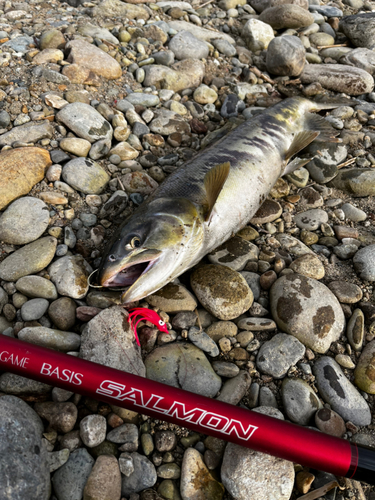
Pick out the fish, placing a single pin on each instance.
(210, 198)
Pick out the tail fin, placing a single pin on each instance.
(322, 102)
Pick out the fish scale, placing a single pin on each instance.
(212, 196)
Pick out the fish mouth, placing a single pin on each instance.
(126, 274)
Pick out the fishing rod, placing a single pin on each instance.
(199, 413)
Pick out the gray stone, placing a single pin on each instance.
(19, 43)
(185, 366)
(201, 340)
(257, 35)
(201, 33)
(184, 74)
(225, 369)
(69, 481)
(36, 287)
(93, 430)
(364, 263)
(144, 476)
(357, 182)
(299, 400)
(285, 56)
(234, 253)
(167, 122)
(85, 122)
(88, 29)
(235, 388)
(25, 220)
(311, 220)
(256, 324)
(143, 99)
(29, 132)
(85, 175)
(224, 47)
(185, 45)
(276, 356)
(307, 309)
(34, 309)
(70, 276)
(48, 337)
(267, 398)
(360, 58)
(173, 298)
(336, 390)
(253, 280)
(292, 245)
(11, 383)
(360, 29)
(24, 469)
(353, 213)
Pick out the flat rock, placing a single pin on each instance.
(31, 132)
(356, 329)
(364, 376)
(34, 309)
(97, 32)
(29, 259)
(307, 309)
(116, 8)
(338, 77)
(69, 481)
(256, 324)
(201, 33)
(173, 298)
(299, 400)
(184, 366)
(277, 355)
(24, 468)
(108, 340)
(48, 337)
(25, 220)
(235, 253)
(364, 263)
(70, 276)
(347, 293)
(20, 170)
(187, 73)
(11, 383)
(292, 245)
(357, 182)
(185, 45)
(139, 182)
(196, 481)
(85, 175)
(235, 388)
(286, 16)
(222, 291)
(360, 29)
(85, 122)
(261, 5)
(336, 390)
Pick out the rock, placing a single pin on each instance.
(23, 459)
(222, 291)
(25, 220)
(29, 259)
(360, 29)
(48, 337)
(125, 434)
(256, 324)
(185, 45)
(292, 245)
(364, 377)
(196, 482)
(142, 99)
(34, 309)
(235, 388)
(203, 341)
(330, 422)
(336, 390)
(285, 56)
(173, 299)
(31, 132)
(347, 293)
(232, 106)
(355, 329)
(108, 340)
(299, 400)
(364, 263)
(269, 211)
(221, 329)
(286, 16)
(85, 175)
(139, 182)
(49, 56)
(125, 151)
(23, 387)
(201, 33)
(60, 416)
(78, 147)
(69, 481)
(93, 430)
(143, 476)
(97, 32)
(52, 39)
(184, 366)
(276, 356)
(257, 35)
(353, 213)
(167, 122)
(70, 276)
(187, 73)
(63, 313)
(235, 253)
(20, 170)
(308, 310)
(85, 121)
(104, 480)
(311, 220)
(224, 47)
(116, 8)
(360, 58)
(205, 95)
(308, 265)
(340, 78)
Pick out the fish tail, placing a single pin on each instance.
(319, 103)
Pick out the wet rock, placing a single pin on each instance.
(108, 340)
(187, 73)
(48, 337)
(257, 35)
(144, 476)
(340, 78)
(20, 170)
(196, 480)
(70, 276)
(29, 259)
(184, 366)
(173, 299)
(185, 45)
(364, 263)
(299, 400)
(25, 220)
(222, 291)
(104, 480)
(276, 356)
(308, 310)
(23, 460)
(285, 56)
(286, 16)
(336, 390)
(234, 253)
(69, 481)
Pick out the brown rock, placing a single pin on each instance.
(52, 39)
(20, 170)
(104, 481)
(330, 422)
(139, 182)
(286, 16)
(116, 8)
(63, 313)
(269, 211)
(86, 55)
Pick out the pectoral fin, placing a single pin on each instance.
(214, 181)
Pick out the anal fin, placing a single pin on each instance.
(214, 182)
(295, 164)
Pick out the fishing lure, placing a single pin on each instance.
(145, 314)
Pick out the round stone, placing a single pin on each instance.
(312, 219)
(34, 309)
(25, 220)
(63, 313)
(185, 45)
(85, 175)
(347, 293)
(364, 263)
(196, 480)
(205, 95)
(93, 430)
(257, 35)
(276, 356)
(70, 276)
(76, 146)
(173, 299)
(234, 253)
(104, 480)
(308, 310)
(143, 476)
(287, 16)
(36, 287)
(299, 400)
(222, 291)
(364, 374)
(285, 56)
(330, 422)
(308, 265)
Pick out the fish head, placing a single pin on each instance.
(152, 248)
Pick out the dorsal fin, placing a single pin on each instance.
(214, 181)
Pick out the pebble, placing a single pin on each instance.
(104, 480)
(330, 422)
(185, 45)
(69, 480)
(353, 213)
(187, 73)
(269, 211)
(364, 263)
(70, 276)
(93, 430)
(235, 388)
(203, 341)
(48, 337)
(196, 480)
(307, 309)
(359, 29)
(336, 390)
(355, 329)
(277, 355)
(299, 400)
(347, 293)
(285, 56)
(85, 175)
(234, 253)
(308, 265)
(286, 16)
(60, 416)
(63, 313)
(34, 309)
(144, 476)
(36, 287)
(184, 366)
(224, 302)
(311, 220)
(173, 299)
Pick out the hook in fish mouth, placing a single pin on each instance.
(91, 285)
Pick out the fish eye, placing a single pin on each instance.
(161, 323)
(135, 242)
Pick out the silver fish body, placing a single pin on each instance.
(257, 151)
